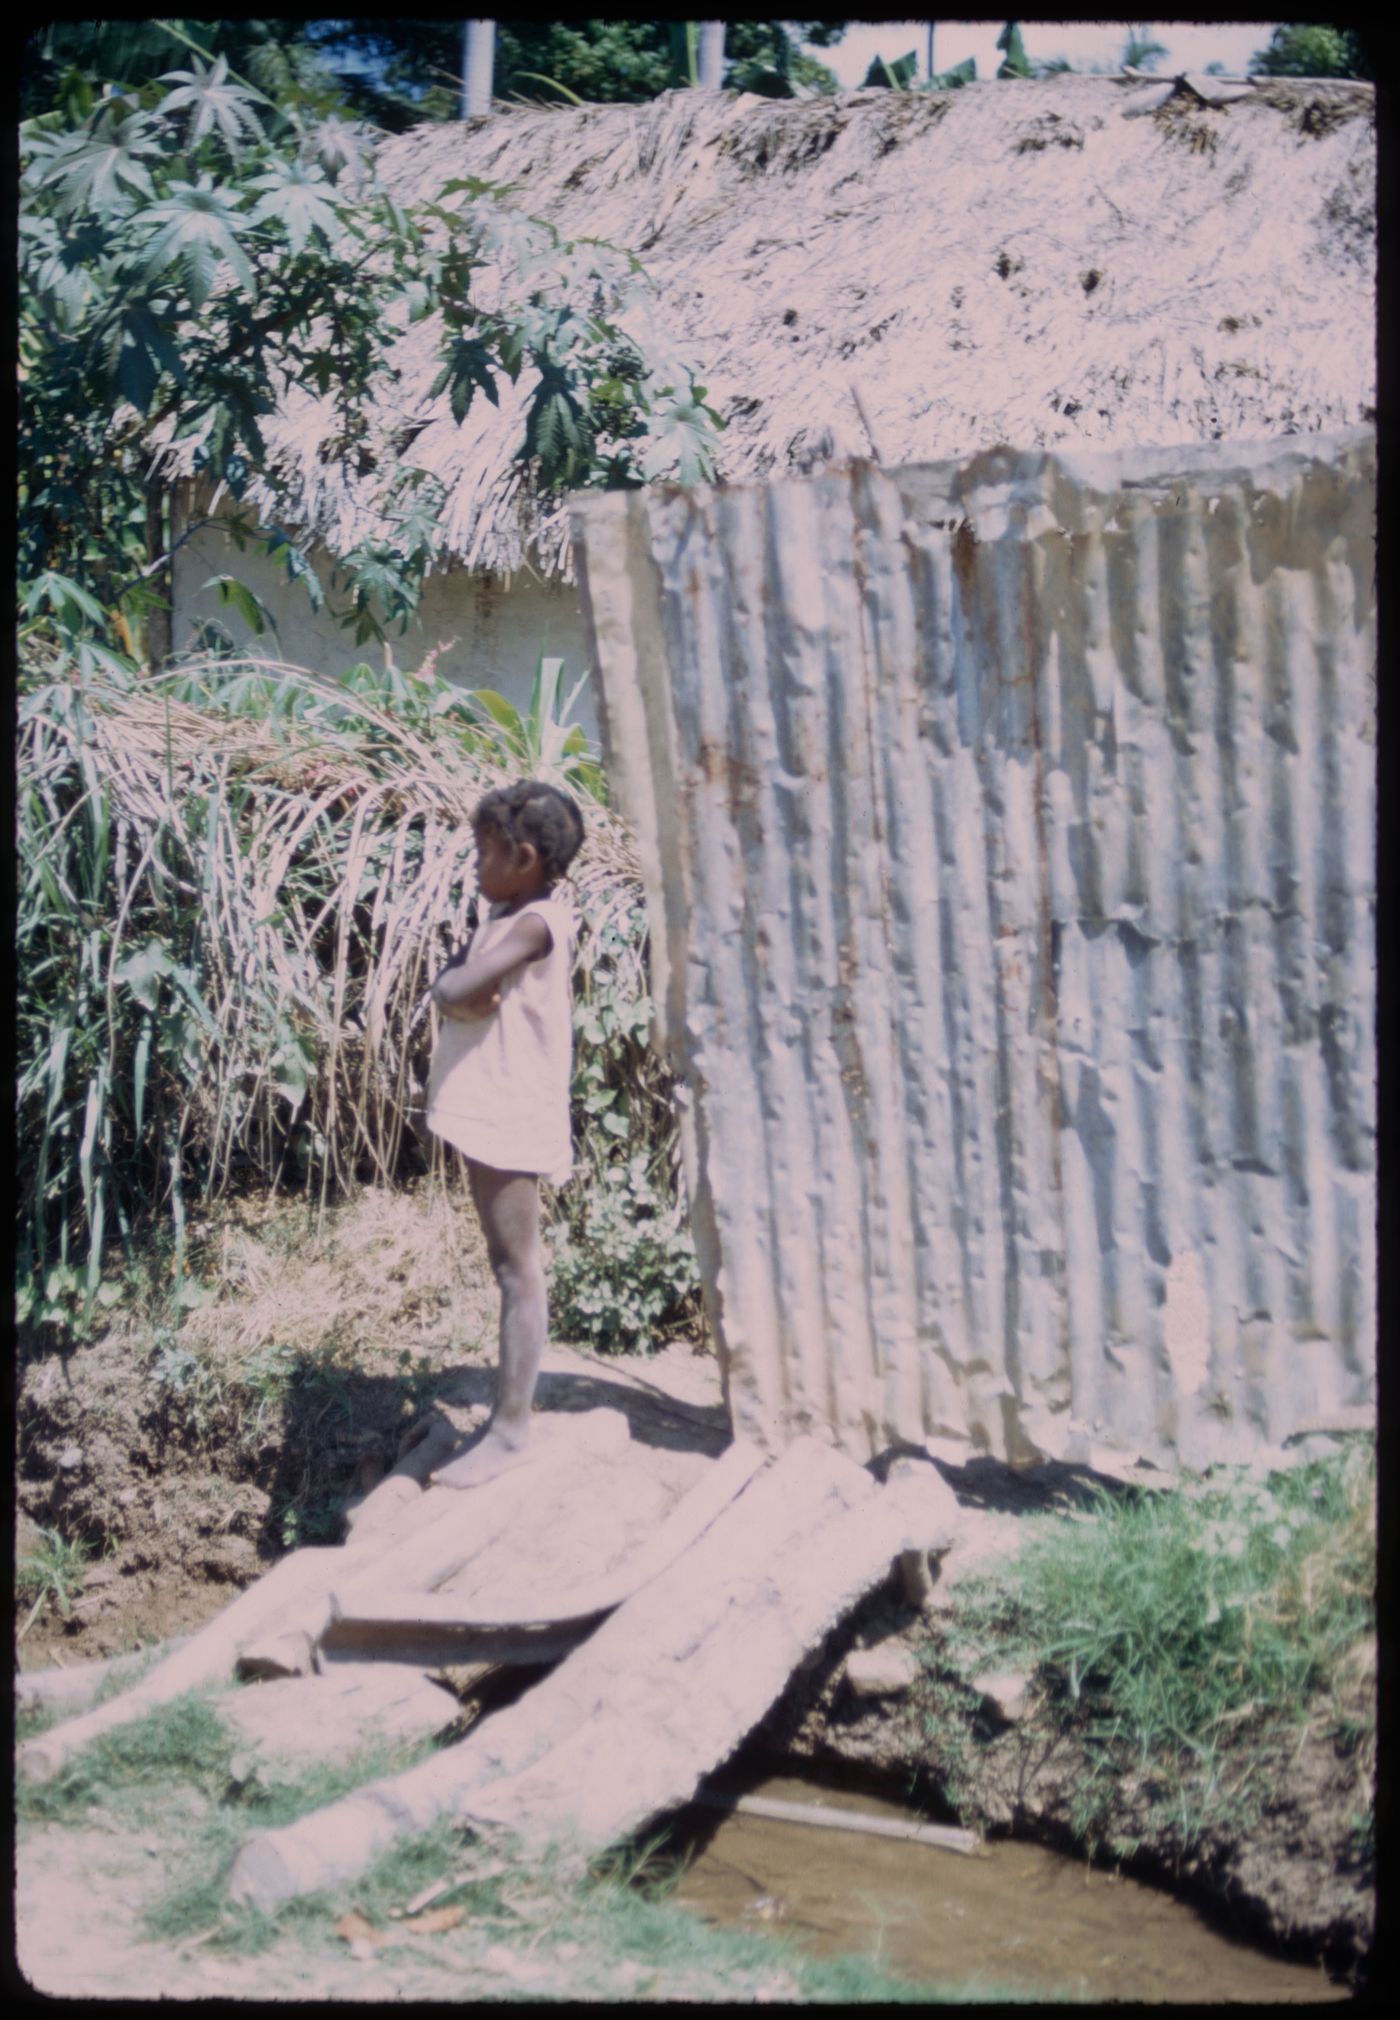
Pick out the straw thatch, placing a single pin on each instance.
(231, 905)
(1032, 263)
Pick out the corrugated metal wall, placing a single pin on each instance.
(1010, 830)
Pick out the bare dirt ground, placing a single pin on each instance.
(81, 1893)
(189, 1449)
(97, 1882)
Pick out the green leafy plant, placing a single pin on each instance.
(1314, 49)
(1015, 62)
(542, 741)
(1142, 51)
(1162, 1622)
(624, 1270)
(765, 57)
(903, 75)
(187, 244)
(234, 884)
(625, 1274)
(400, 72)
(50, 1571)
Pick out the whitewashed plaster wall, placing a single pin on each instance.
(500, 628)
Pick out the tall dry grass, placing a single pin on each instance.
(235, 885)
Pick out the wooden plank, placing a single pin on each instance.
(578, 1457)
(294, 1594)
(351, 1706)
(597, 1516)
(277, 1655)
(558, 1598)
(71, 1687)
(372, 1605)
(406, 1480)
(438, 1534)
(429, 1643)
(668, 1687)
(659, 1695)
(280, 1597)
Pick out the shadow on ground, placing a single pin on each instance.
(1053, 1486)
(340, 1428)
(653, 1417)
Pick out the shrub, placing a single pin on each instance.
(50, 1569)
(624, 1263)
(624, 1272)
(235, 883)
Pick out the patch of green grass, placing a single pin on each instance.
(263, 1383)
(620, 1933)
(279, 1793)
(32, 1719)
(134, 1768)
(1166, 1624)
(197, 1392)
(50, 1572)
(945, 1710)
(310, 1519)
(121, 1680)
(417, 1379)
(276, 1794)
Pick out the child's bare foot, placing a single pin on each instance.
(498, 1449)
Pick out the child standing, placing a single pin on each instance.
(498, 1084)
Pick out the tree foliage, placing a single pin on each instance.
(1015, 62)
(766, 57)
(273, 56)
(399, 71)
(1315, 49)
(1142, 51)
(903, 75)
(191, 251)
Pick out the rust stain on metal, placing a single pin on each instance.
(964, 550)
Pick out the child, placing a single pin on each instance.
(498, 1084)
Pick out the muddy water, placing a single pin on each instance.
(1017, 1919)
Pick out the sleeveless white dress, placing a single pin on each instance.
(498, 1086)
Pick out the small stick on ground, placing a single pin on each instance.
(942, 1837)
(469, 1876)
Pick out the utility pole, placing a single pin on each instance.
(711, 56)
(478, 64)
(928, 73)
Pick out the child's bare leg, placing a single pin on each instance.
(508, 1203)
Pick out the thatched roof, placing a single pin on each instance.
(1029, 263)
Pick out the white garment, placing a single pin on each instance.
(498, 1086)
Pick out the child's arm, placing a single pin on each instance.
(472, 987)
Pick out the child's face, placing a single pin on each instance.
(504, 870)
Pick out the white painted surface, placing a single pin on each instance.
(500, 628)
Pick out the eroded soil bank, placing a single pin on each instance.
(186, 1463)
(1298, 1877)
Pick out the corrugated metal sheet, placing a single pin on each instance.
(1010, 835)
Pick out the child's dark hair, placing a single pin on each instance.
(541, 814)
